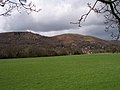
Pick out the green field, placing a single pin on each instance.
(80, 72)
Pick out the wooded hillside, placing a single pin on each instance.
(27, 44)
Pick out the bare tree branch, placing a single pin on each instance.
(18, 6)
(111, 9)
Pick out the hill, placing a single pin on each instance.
(27, 44)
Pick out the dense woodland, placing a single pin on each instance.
(27, 44)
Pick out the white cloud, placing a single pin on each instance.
(55, 18)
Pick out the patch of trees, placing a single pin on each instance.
(21, 51)
(26, 44)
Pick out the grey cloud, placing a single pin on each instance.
(20, 22)
(51, 21)
(56, 16)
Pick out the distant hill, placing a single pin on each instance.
(27, 44)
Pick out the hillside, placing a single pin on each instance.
(27, 44)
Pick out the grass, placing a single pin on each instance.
(82, 72)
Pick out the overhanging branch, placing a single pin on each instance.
(17, 5)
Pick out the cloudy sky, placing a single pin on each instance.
(55, 18)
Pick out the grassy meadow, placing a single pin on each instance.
(79, 72)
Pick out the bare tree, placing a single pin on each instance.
(10, 5)
(111, 11)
